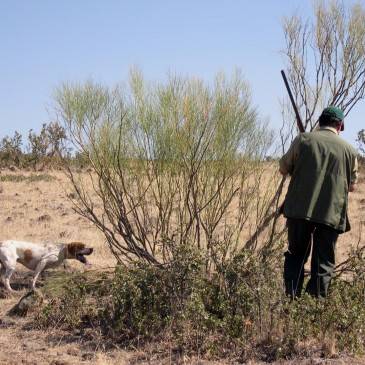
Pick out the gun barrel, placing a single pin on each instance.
(299, 120)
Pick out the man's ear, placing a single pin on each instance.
(338, 126)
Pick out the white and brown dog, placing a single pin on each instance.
(37, 257)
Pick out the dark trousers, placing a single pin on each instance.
(300, 234)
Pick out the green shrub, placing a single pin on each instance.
(239, 312)
(147, 298)
(74, 300)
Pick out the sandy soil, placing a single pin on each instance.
(40, 212)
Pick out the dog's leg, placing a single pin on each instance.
(8, 273)
(2, 272)
(7, 270)
(40, 267)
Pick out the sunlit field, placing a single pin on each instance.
(36, 206)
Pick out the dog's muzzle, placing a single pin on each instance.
(80, 255)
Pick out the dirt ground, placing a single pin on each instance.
(41, 212)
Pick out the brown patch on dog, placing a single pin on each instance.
(73, 248)
(28, 255)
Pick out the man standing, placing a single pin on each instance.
(323, 169)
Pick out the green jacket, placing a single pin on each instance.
(322, 167)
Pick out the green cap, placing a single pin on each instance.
(334, 112)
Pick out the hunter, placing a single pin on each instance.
(323, 169)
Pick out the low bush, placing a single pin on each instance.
(239, 312)
(73, 300)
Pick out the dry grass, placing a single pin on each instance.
(37, 209)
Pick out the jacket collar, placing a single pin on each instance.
(326, 128)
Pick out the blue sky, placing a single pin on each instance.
(45, 42)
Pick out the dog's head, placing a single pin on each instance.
(77, 251)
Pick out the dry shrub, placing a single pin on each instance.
(43, 150)
(169, 161)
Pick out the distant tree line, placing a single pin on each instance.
(41, 150)
(49, 146)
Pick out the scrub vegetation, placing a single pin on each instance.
(238, 314)
(167, 161)
(173, 181)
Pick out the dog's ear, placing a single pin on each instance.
(28, 255)
(73, 248)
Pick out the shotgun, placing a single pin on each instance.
(280, 211)
(297, 116)
(299, 120)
